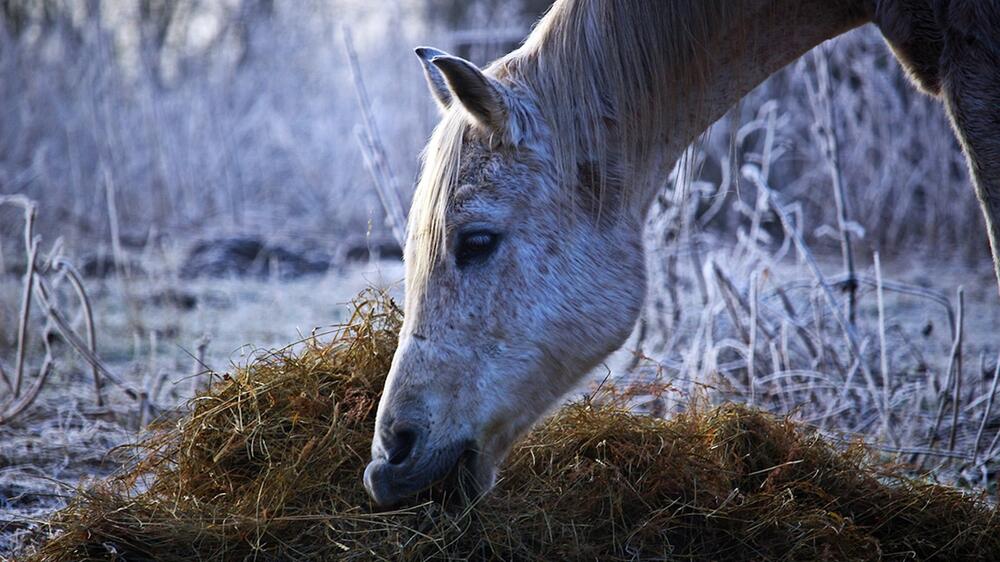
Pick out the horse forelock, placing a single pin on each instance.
(442, 159)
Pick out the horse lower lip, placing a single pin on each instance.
(464, 476)
(378, 483)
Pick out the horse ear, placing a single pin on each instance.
(479, 94)
(435, 79)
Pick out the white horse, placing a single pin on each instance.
(524, 258)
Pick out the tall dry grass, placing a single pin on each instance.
(245, 121)
(769, 283)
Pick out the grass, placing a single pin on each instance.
(268, 465)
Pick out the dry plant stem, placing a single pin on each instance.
(752, 343)
(74, 278)
(752, 173)
(677, 309)
(6, 379)
(884, 353)
(22, 328)
(843, 393)
(699, 271)
(640, 342)
(823, 108)
(16, 407)
(953, 357)
(989, 409)
(802, 332)
(31, 249)
(74, 340)
(116, 244)
(901, 288)
(373, 149)
(992, 449)
(957, 398)
(766, 157)
(728, 291)
(199, 367)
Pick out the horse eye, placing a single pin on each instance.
(475, 246)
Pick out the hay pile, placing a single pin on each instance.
(268, 467)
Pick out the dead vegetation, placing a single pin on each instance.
(268, 466)
(46, 276)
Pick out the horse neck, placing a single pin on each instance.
(766, 36)
(721, 51)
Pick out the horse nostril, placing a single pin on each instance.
(401, 445)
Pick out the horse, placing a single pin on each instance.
(524, 256)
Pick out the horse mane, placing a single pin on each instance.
(621, 69)
(594, 70)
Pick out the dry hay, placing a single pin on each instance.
(268, 466)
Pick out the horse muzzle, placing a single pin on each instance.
(404, 464)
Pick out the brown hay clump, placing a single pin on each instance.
(268, 466)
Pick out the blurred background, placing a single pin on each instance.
(211, 178)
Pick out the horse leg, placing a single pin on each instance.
(970, 89)
(911, 29)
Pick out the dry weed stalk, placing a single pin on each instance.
(755, 343)
(41, 280)
(821, 100)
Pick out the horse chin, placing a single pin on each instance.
(471, 478)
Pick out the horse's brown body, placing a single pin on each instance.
(949, 48)
(515, 287)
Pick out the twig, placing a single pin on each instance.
(952, 358)
(895, 287)
(31, 249)
(884, 354)
(6, 379)
(802, 332)
(198, 367)
(729, 288)
(31, 244)
(699, 270)
(728, 296)
(640, 342)
(752, 343)
(846, 388)
(989, 409)
(17, 406)
(956, 401)
(823, 109)
(752, 173)
(117, 252)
